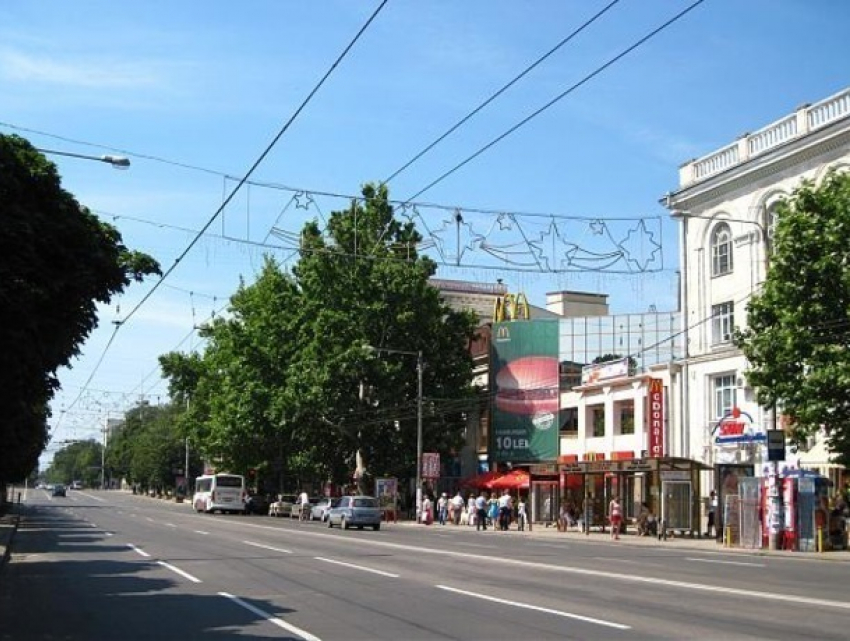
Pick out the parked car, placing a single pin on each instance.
(283, 505)
(77, 485)
(257, 503)
(58, 490)
(321, 508)
(356, 511)
(295, 512)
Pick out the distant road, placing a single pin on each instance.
(110, 565)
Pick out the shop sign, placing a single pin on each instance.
(431, 465)
(638, 465)
(775, 445)
(539, 470)
(656, 418)
(675, 475)
(738, 427)
(599, 372)
(571, 468)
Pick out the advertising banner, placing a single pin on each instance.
(525, 388)
(386, 491)
(655, 446)
(431, 465)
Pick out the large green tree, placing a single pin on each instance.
(799, 324)
(286, 384)
(57, 262)
(77, 461)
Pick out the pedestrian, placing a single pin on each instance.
(481, 512)
(522, 516)
(711, 529)
(426, 510)
(493, 510)
(442, 508)
(457, 507)
(615, 514)
(471, 510)
(505, 509)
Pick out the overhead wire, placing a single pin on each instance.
(558, 98)
(500, 91)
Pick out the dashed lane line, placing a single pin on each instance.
(357, 567)
(272, 619)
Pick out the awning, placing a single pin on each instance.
(480, 481)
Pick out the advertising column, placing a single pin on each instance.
(524, 380)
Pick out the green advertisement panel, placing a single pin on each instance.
(524, 381)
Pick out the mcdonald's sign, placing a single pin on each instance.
(655, 447)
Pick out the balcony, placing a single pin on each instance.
(805, 120)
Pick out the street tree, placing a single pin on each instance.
(58, 261)
(286, 383)
(76, 461)
(798, 329)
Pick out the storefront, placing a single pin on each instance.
(670, 488)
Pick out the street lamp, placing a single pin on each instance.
(420, 367)
(118, 162)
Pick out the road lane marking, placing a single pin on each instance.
(357, 567)
(474, 545)
(267, 547)
(182, 573)
(147, 518)
(108, 534)
(171, 525)
(602, 574)
(90, 496)
(536, 608)
(755, 565)
(272, 619)
(137, 550)
(201, 532)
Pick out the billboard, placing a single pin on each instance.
(655, 447)
(525, 391)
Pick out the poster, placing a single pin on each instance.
(525, 391)
(386, 490)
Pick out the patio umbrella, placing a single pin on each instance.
(482, 480)
(514, 480)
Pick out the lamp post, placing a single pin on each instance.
(118, 162)
(420, 368)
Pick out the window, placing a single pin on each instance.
(627, 418)
(771, 216)
(569, 422)
(598, 421)
(721, 250)
(724, 395)
(722, 322)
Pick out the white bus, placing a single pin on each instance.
(222, 492)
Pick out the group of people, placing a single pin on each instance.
(496, 511)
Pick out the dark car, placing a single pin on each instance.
(58, 490)
(257, 504)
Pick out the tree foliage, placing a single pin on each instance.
(285, 385)
(799, 324)
(78, 461)
(57, 262)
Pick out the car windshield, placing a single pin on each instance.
(365, 502)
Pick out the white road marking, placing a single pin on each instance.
(182, 573)
(474, 545)
(137, 550)
(147, 518)
(108, 533)
(755, 565)
(536, 608)
(93, 524)
(627, 578)
(357, 567)
(91, 496)
(268, 617)
(614, 560)
(171, 525)
(267, 547)
(201, 532)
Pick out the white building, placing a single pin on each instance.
(725, 204)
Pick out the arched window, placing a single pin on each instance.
(721, 250)
(771, 216)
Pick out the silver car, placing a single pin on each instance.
(319, 511)
(356, 511)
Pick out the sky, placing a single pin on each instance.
(194, 92)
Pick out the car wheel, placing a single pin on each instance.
(330, 524)
(344, 523)
(376, 527)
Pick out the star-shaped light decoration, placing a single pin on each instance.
(306, 196)
(640, 248)
(597, 227)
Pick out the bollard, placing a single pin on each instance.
(727, 539)
(820, 539)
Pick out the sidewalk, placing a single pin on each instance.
(8, 527)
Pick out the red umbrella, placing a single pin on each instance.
(514, 480)
(482, 480)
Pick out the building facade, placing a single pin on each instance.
(725, 205)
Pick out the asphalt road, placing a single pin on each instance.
(108, 565)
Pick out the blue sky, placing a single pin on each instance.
(209, 84)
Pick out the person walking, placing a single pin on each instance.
(522, 516)
(505, 508)
(457, 507)
(442, 508)
(615, 514)
(712, 515)
(481, 512)
(493, 510)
